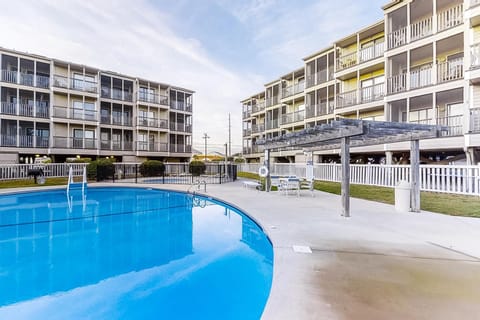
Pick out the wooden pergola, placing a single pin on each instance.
(346, 133)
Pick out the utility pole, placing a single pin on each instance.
(229, 138)
(226, 159)
(205, 136)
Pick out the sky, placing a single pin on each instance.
(224, 50)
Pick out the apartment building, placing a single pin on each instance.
(420, 64)
(63, 110)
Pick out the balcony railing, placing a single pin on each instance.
(421, 29)
(153, 98)
(346, 99)
(116, 145)
(293, 89)
(74, 143)
(421, 77)
(9, 76)
(450, 70)
(256, 128)
(450, 17)
(181, 105)
(26, 79)
(247, 132)
(152, 146)
(347, 61)
(454, 125)
(152, 122)
(271, 101)
(23, 141)
(247, 114)
(181, 127)
(74, 84)
(475, 55)
(8, 108)
(72, 113)
(371, 52)
(397, 83)
(42, 110)
(293, 117)
(259, 107)
(25, 109)
(397, 38)
(372, 93)
(323, 108)
(42, 82)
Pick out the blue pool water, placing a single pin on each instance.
(130, 253)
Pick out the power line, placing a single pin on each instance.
(205, 136)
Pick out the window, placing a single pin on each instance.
(83, 138)
(84, 111)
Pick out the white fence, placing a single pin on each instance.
(20, 171)
(435, 178)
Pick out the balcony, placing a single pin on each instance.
(26, 79)
(181, 127)
(9, 76)
(258, 128)
(323, 108)
(116, 145)
(317, 78)
(247, 114)
(259, 107)
(152, 122)
(23, 141)
(42, 82)
(74, 143)
(446, 19)
(25, 109)
(116, 94)
(271, 101)
(421, 29)
(257, 149)
(180, 148)
(152, 146)
(346, 99)
(181, 105)
(346, 61)
(293, 89)
(8, 108)
(76, 114)
(247, 132)
(450, 17)
(421, 77)
(292, 117)
(450, 70)
(372, 52)
(271, 124)
(153, 98)
(372, 93)
(475, 56)
(454, 125)
(397, 83)
(74, 84)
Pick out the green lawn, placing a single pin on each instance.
(455, 205)
(31, 183)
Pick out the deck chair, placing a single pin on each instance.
(291, 184)
(307, 185)
(275, 182)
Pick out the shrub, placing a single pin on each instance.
(152, 168)
(100, 169)
(197, 168)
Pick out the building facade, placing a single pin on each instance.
(57, 109)
(420, 64)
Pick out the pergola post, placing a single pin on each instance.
(267, 164)
(345, 154)
(415, 176)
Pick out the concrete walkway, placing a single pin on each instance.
(378, 264)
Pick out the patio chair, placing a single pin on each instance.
(306, 184)
(275, 182)
(291, 184)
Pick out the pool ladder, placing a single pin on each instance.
(198, 184)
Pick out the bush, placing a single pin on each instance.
(197, 168)
(100, 169)
(152, 168)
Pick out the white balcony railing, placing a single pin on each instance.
(372, 93)
(371, 52)
(346, 99)
(421, 77)
(475, 55)
(397, 83)
(293, 117)
(450, 70)
(421, 29)
(450, 17)
(397, 38)
(347, 61)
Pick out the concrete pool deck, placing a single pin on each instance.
(377, 264)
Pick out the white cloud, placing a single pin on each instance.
(136, 40)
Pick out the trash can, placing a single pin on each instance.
(402, 196)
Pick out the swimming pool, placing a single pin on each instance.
(130, 253)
